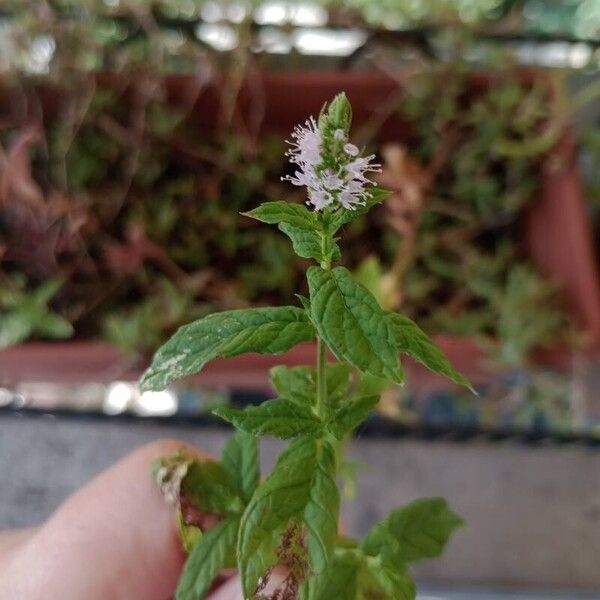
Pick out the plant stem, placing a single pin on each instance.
(321, 379)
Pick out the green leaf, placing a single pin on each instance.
(412, 340)
(226, 334)
(14, 328)
(302, 226)
(336, 115)
(337, 377)
(379, 579)
(240, 462)
(343, 215)
(189, 534)
(295, 383)
(339, 580)
(368, 385)
(322, 509)
(413, 532)
(281, 497)
(309, 243)
(214, 551)
(288, 494)
(54, 326)
(46, 291)
(350, 415)
(353, 576)
(208, 487)
(300, 383)
(279, 211)
(280, 417)
(304, 301)
(352, 324)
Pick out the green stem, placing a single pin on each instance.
(321, 379)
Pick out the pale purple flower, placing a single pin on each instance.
(351, 149)
(345, 184)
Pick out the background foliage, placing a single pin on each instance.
(133, 211)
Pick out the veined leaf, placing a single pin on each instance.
(300, 383)
(241, 463)
(280, 417)
(279, 211)
(208, 487)
(281, 497)
(350, 415)
(372, 386)
(295, 383)
(337, 376)
(352, 324)
(227, 334)
(338, 580)
(302, 227)
(343, 216)
(310, 243)
(412, 340)
(413, 532)
(352, 575)
(288, 494)
(379, 579)
(322, 509)
(214, 551)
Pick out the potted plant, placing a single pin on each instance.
(290, 520)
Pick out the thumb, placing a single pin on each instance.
(115, 538)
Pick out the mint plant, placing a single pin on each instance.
(282, 532)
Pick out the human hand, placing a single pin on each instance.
(114, 539)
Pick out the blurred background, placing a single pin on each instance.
(132, 135)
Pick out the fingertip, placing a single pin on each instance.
(116, 533)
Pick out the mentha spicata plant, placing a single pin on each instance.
(282, 532)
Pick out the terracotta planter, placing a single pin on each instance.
(557, 233)
(80, 362)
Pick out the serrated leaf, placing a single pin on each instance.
(350, 415)
(339, 580)
(304, 301)
(281, 497)
(412, 340)
(281, 418)
(208, 487)
(322, 509)
(227, 334)
(379, 579)
(240, 462)
(310, 243)
(302, 226)
(214, 551)
(352, 575)
(299, 383)
(279, 211)
(343, 215)
(337, 376)
(284, 495)
(295, 383)
(413, 532)
(353, 325)
(368, 385)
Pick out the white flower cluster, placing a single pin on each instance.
(345, 184)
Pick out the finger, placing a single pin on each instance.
(115, 538)
(12, 540)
